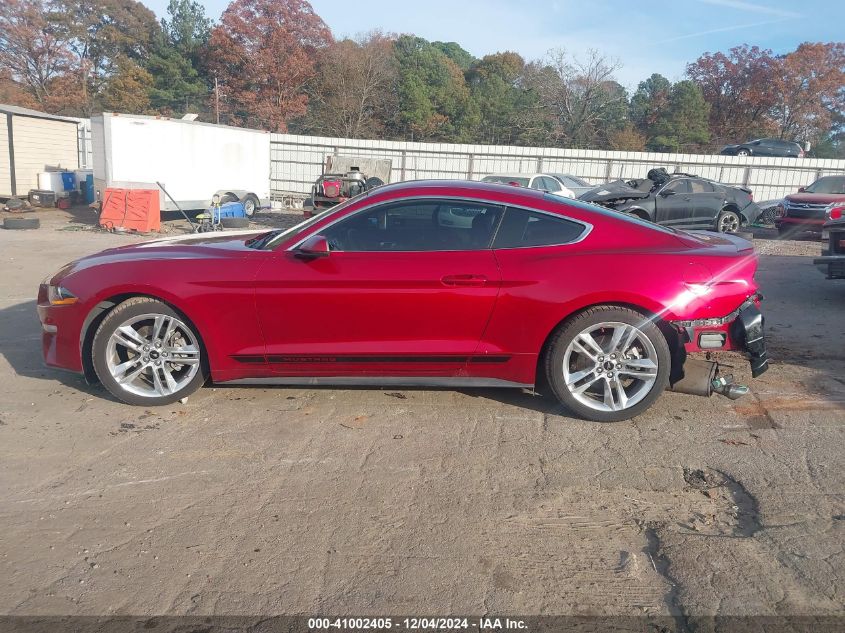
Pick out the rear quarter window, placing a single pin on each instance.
(521, 228)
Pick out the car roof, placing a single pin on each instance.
(531, 175)
(474, 186)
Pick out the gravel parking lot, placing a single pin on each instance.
(366, 501)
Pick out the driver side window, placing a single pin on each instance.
(417, 225)
(678, 186)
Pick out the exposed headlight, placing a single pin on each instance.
(59, 296)
(780, 210)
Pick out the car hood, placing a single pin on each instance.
(616, 190)
(226, 244)
(816, 198)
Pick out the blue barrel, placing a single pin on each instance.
(68, 180)
(88, 189)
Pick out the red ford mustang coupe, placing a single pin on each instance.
(436, 283)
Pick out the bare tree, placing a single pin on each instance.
(579, 94)
(31, 47)
(354, 92)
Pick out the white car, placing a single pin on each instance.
(544, 182)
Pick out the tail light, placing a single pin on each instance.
(835, 212)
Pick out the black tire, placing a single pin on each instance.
(374, 182)
(573, 327)
(251, 205)
(743, 152)
(228, 197)
(14, 204)
(14, 224)
(136, 307)
(729, 221)
(234, 223)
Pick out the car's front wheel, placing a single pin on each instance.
(147, 354)
(743, 152)
(608, 363)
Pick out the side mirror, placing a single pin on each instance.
(802, 189)
(314, 246)
(667, 192)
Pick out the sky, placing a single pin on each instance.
(646, 36)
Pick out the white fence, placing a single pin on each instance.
(296, 161)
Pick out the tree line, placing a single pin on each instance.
(274, 64)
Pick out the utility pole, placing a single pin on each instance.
(216, 101)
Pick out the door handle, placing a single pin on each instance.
(463, 280)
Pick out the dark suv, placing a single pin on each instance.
(765, 147)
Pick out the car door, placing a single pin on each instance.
(406, 290)
(767, 147)
(674, 205)
(707, 203)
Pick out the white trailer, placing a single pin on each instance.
(191, 160)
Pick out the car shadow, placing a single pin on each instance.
(20, 346)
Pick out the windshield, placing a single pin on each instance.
(271, 239)
(571, 181)
(506, 180)
(828, 184)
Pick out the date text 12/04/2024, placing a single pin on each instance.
(415, 624)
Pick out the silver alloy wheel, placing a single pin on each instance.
(610, 366)
(153, 355)
(729, 222)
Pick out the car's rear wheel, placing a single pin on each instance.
(728, 222)
(608, 363)
(147, 354)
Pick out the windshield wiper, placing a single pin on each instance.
(262, 240)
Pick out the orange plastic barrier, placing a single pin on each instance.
(133, 209)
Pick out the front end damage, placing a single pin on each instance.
(741, 330)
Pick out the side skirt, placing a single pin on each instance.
(381, 381)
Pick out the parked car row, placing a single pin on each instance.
(684, 201)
